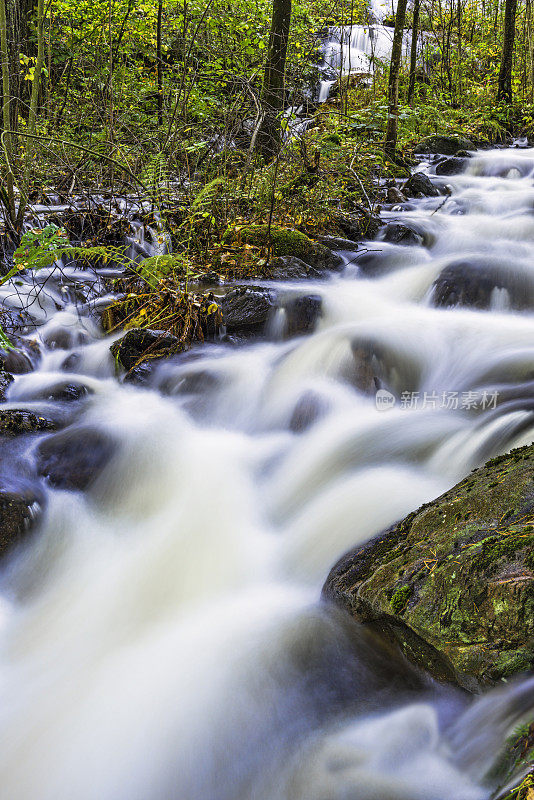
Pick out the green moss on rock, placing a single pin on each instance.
(286, 242)
(444, 145)
(462, 572)
(399, 599)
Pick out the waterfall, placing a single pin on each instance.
(353, 49)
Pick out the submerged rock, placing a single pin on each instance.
(74, 458)
(475, 283)
(141, 344)
(420, 184)
(5, 382)
(16, 362)
(19, 513)
(22, 358)
(453, 583)
(247, 309)
(444, 145)
(309, 409)
(451, 166)
(302, 314)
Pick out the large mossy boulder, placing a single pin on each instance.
(443, 145)
(453, 583)
(287, 242)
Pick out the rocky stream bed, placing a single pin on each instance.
(163, 510)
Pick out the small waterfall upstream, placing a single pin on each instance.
(162, 635)
(357, 49)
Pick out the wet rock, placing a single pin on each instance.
(453, 583)
(17, 423)
(198, 381)
(367, 364)
(67, 392)
(451, 166)
(19, 514)
(5, 382)
(474, 282)
(72, 362)
(395, 195)
(246, 310)
(142, 374)
(141, 344)
(420, 184)
(302, 314)
(337, 243)
(309, 409)
(17, 362)
(287, 242)
(22, 358)
(62, 338)
(289, 268)
(397, 233)
(443, 145)
(74, 458)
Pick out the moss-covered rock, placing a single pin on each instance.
(453, 583)
(513, 771)
(286, 242)
(17, 423)
(444, 145)
(141, 344)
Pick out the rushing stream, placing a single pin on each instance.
(162, 636)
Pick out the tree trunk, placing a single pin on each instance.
(159, 63)
(530, 45)
(504, 91)
(390, 144)
(20, 41)
(273, 83)
(413, 50)
(32, 114)
(10, 209)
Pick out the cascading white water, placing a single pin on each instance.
(350, 49)
(162, 636)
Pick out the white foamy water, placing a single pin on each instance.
(162, 636)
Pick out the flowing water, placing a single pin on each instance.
(351, 49)
(162, 635)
